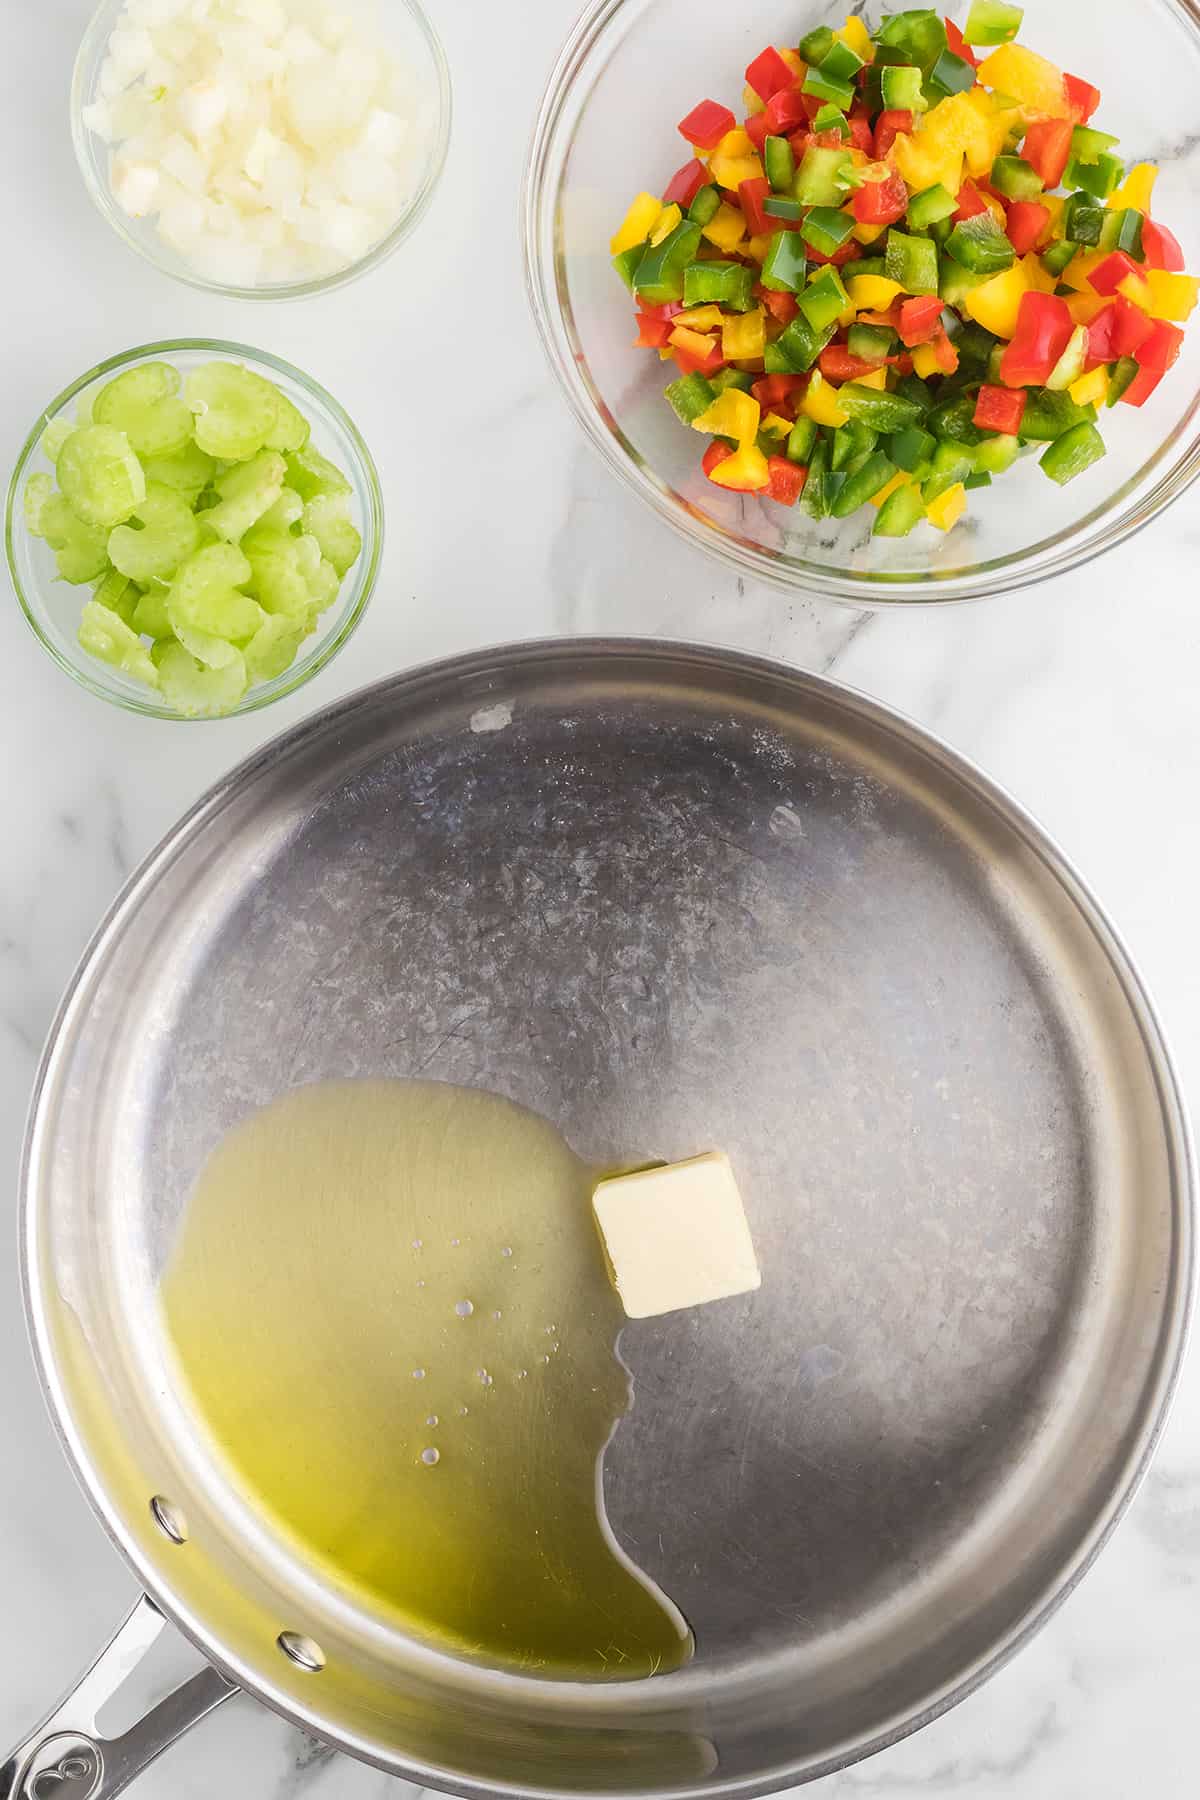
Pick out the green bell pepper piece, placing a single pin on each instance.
(865, 265)
(1087, 145)
(719, 283)
(828, 87)
(996, 453)
(801, 342)
(1057, 256)
(826, 229)
(1048, 416)
(779, 164)
(911, 387)
(919, 34)
(705, 206)
(980, 246)
(912, 262)
(824, 299)
(1069, 366)
(911, 448)
(690, 396)
(873, 343)
(950, 74)
(802, 440)
(866, 481)
(1099, 179)
(1124, 370)
(881, 411)
(902, 509)
(626, 263)
(852, 444)
(900, 88)
(954, 419)
(952, 463)
(955, 282)
(731, 378)
(817, 44)
(840, 61)
(659, 275)
(974, 346)
(812, 499)
(1072, 453)
(1122, 230)
(1083, 219)
(782, 206)
(979, 479)
(784, 265)
(777, 361)
(830, 118)
(930, 205)
(1016, 179)
(821, 179)
(992, 22)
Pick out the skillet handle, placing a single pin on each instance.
(67, 1759)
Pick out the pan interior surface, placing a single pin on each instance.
(669, 900)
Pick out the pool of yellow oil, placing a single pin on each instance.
(389, 1303)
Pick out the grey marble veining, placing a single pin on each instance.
(1079, 696)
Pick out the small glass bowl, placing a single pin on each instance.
(416, 45)
(53, 607)
(606, 131)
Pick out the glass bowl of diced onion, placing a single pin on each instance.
(53, 605)
(607, 132)
(271, 152)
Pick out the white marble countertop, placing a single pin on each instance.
(1079, 696)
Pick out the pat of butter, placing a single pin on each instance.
(676, 1236)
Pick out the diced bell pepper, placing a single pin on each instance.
(872, 293)
(638, 223)
(1041, 332)
(948, 508)
(820, 402)
(707, 124)
(744, 470)
(1027, 78)
(995, 304)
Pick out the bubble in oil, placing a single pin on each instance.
(455, 1242)
(484, 1377)
(417, 1244)
(462, 1411)
(507, 1250)
(430, 1456)
(418, 1374)
(497, 1314)
(432, 1419)
(463, 1308)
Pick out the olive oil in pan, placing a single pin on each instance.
(389, 1304)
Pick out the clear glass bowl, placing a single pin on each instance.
(606, 131)
(53, 607)
(408, 33)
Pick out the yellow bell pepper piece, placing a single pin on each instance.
(752, 101)
(744, 335)
(855, 34)
(700, 318)
(668, 219)
(1136, 188)
(994, 304)
(876, 379)
(867, 234)
(1054, 204)
(733, 415)
(776, 425)
(1090, 389)
(1076, 273)
(730, 171)
(925, 362)
(1137, 289)
(638, 223)
(1084, 307)
(756, 247)
(745, 469)
(1171, 296)
(872, 293)
(726, 228)
(1027, 77)
(900, 479)
(694, 342)
(1039, 277)
(985, 122)
(795, 63)
(737, 142)
(948, 508)
(924, 162)
(821, 402)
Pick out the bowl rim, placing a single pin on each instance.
(324, 650)
(544, 259)
(103, 18)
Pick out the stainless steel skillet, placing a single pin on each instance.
(670, 898)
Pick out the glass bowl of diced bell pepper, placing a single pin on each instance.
(193, 529)
(894, 308)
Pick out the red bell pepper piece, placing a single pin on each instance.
(758, 130)
(752, 194)
(784, 112)
(787, 480)
(1026, 221)
(666, 310)
(695, 365)
(1116, 330)
(957, 44)
(890, 317)
(769, 73)
(707, 124)
(782, 307)
(837, 364)
(812, 104)
(888, 127)
(652, 333)
(845, 253)
(1141, 387)
(1000, 409)
(903, 364)
(1082, 98)
(970, 202)
(1159, 348)
(1107, 276)
(774, 391)
(685, 184)
(1044, 326)
(880, 202)
(1160, 248)
(944, 352)
(714, 456)
(1047, 147)
(920, 319)
(861, 136)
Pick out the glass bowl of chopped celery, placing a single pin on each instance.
(193, 529)
(856, 437)
(271, 150)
